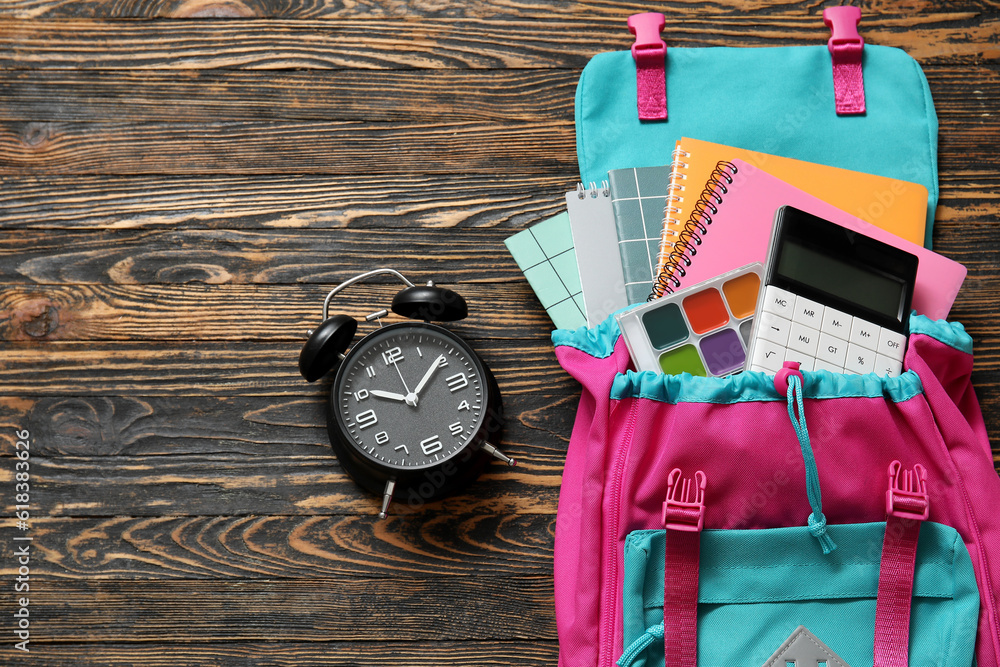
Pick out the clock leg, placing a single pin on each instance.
(496, 453)
(390, 487)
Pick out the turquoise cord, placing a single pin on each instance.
(817, 521)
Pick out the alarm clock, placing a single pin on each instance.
(412, 407)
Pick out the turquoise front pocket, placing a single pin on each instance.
(757, 586)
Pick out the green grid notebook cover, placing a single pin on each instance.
(544, 253)
(638, 197)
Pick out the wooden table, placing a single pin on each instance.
(183, 182)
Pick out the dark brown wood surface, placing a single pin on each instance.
(182, 181)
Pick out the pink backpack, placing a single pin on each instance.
(633, 429)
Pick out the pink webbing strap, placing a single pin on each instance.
(650, 54)
(846, 47)
(907, 505)
(683, 519)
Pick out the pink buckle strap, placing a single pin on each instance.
(650, 54)
(846, 47)
(907, 505)
(683, 519)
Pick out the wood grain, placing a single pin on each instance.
(272, 653)
(437, 541)
(467, 608)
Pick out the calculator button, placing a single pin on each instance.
(767, 356)
(773, 327)
(891, 344)
(832, 349)
(864, 333)
(806, 363)
(779, 301)
(822, 365)
(803, 339)
(887, 366)
(860, 359)
(808, 312)
(837, 323)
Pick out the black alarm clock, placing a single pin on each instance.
(412, 407)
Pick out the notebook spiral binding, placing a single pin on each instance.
(685, 244)
(593, 191)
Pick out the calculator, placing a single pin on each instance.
(832, 299)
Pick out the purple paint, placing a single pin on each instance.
(723, 352)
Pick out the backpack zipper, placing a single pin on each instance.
(608, 603)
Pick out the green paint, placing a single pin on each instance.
(683, 359)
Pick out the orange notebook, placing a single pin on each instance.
(896, 206)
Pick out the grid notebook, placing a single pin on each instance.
(544, 253)
(637, 197)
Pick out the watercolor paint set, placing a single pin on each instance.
(702, 330)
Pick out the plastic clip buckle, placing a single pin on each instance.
(907, 496)
(649, 48)
(843, 23)
(684, 508)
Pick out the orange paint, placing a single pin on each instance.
(705, 310)
(741, 294)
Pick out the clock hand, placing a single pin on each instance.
(387, 394)
(410, 398)
(427, 376)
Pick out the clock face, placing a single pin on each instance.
(410, 396)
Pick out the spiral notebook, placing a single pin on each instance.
(592, 222)
(738, 230)
(894, 205)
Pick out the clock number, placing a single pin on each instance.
(431, 445)
(381, 438)
(366, 419)
(464, 405)
(361, 395)
(456, 429)
(392, 356)
(370, 370)
(457, 381)
(403, 447)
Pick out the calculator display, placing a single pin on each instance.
(842, 268)
(837, 276)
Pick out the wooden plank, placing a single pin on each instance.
(448, 201)
(534, 653)
(199, 96)
(224, 256)
(510, 9)
(504, 42)
(537, 426)
(260, 313)
(350, 609)
(227, 369)
(438, 541)
(304, 147)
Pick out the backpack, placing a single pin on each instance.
(771, 482)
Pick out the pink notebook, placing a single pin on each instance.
(741, 229)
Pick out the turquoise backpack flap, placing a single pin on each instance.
(777, 100)
(757, 586)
